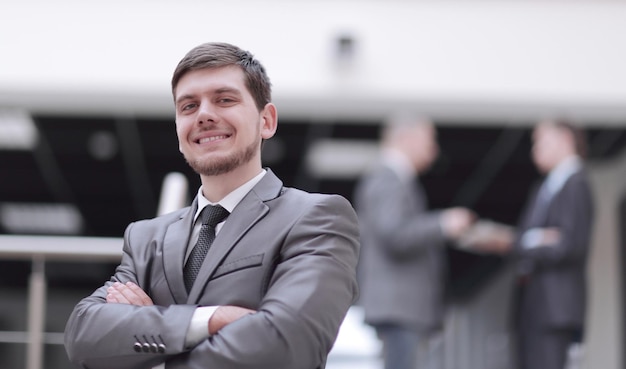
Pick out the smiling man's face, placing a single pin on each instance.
(218, 125)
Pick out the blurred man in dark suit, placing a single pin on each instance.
(551, 249)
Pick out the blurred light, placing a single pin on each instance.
(38, 218)
(340, 159)
(173, 193)
(357, 345)
(102, 145)
(17, 130)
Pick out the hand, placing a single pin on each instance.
(456, 221)
(128, 293)
(225, 315)
(550, 236)
(498, 241)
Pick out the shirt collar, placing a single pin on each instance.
(399, 163)
(230, 201)
(561, 173)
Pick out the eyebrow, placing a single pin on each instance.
(182, 98)
(228, 90)
(218, 91)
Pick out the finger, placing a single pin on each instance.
(144, 299)
(110, 298)
(129, 295)
(115, 295)
(134, 294)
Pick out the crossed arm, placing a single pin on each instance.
(130, 293)
(309, 290)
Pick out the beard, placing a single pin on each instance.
(226, 164)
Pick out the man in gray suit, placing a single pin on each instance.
(551, 249)
(402, 271)
(276, 281)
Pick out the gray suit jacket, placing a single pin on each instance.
(556, 290)
(401, 272)
(286, 253)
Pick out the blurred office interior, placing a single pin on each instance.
(87, 137)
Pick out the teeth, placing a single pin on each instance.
(212, 138)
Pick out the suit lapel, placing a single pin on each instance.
(174, 248)
(246, 214)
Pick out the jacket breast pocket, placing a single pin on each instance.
(237, 265)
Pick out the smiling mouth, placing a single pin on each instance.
(210, 139)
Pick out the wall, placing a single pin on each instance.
(464, 58)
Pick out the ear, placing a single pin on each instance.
(269, 121)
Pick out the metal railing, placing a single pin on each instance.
(39, 249)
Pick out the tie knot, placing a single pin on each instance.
(213, 215)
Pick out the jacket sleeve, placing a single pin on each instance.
(399, 219)
(103, 335)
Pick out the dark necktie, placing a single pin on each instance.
(539, 210)
(211, 216)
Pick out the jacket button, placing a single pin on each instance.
(137, 347)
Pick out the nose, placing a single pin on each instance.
(206, 114)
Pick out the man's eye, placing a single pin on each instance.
(188, 107)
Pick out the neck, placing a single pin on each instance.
(563, 159)
(215, 188)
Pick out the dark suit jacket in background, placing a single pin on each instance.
(402, 267)
(556, 288)
(286, 253)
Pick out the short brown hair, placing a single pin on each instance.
(220, 54)
(578, 134)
